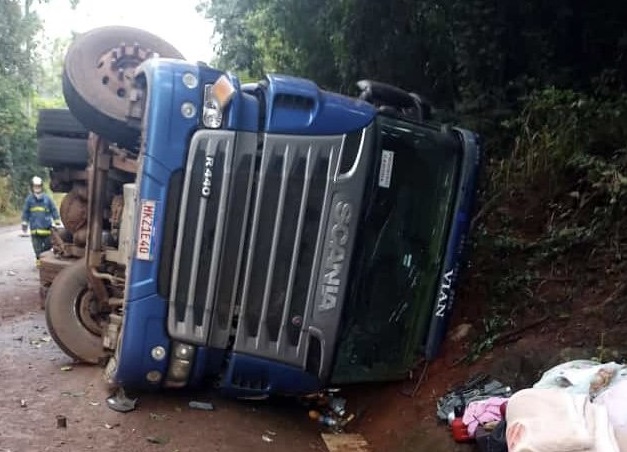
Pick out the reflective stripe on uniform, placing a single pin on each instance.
(40, 232)
(38, 209)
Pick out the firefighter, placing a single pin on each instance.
(39, 214)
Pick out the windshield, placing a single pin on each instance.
(401, 248)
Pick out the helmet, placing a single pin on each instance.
(37, 180)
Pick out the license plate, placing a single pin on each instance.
(145, 231)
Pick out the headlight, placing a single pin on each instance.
(211, 112)
(180, 364)
(217, 97)
(183, 351)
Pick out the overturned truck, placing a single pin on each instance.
(266, 237)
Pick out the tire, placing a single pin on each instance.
(59, 122)
(91, 87)
(55, 151)
(63, 315)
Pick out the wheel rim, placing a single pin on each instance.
(116, 67)
(86, 314)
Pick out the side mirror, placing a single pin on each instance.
(391, 98)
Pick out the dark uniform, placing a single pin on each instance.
(39, 212)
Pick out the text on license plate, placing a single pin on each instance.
(145, 231)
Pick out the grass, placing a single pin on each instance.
(10, 218)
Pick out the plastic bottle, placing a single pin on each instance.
(338, 406)
(324, 420)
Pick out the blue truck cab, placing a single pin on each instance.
(275, 238)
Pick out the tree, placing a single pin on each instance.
(47, 87)
(475, 54)
(17, 72)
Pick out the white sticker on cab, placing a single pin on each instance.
(385, 171)
(145, 230)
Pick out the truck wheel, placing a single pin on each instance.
(61, 151)
(69, 316)
(60, 122)
(98, 74)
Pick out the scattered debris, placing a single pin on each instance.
(156, 440)
(120, 402)
(479, 386)
(346, 442)
(329, 410)
(482, 413)
(418, 382)
(575, 405)
(112, 426)
(66, 368)
(461, 332)
(158, 417)
(38, 341)
(327, 421)
(267, 438)
(206, 406)
(61, 421)
(73, 394)
(23, 403)
(92, 403)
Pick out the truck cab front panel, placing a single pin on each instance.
(163, 155)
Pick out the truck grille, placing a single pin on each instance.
(299, 184)
(247, 256)
(287, 215)
(200, 233)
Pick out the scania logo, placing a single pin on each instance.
(335, 256)
(207, 177)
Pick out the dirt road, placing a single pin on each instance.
(41, 383)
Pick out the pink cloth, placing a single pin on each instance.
(481, 412)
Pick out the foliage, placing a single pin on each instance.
(561, 131)
(17, 33)
(474, 54)
(48, 76)
(17, 72)
(270, 35)
(564, 203)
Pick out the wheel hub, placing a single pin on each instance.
(88, 312)
(117, 66)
